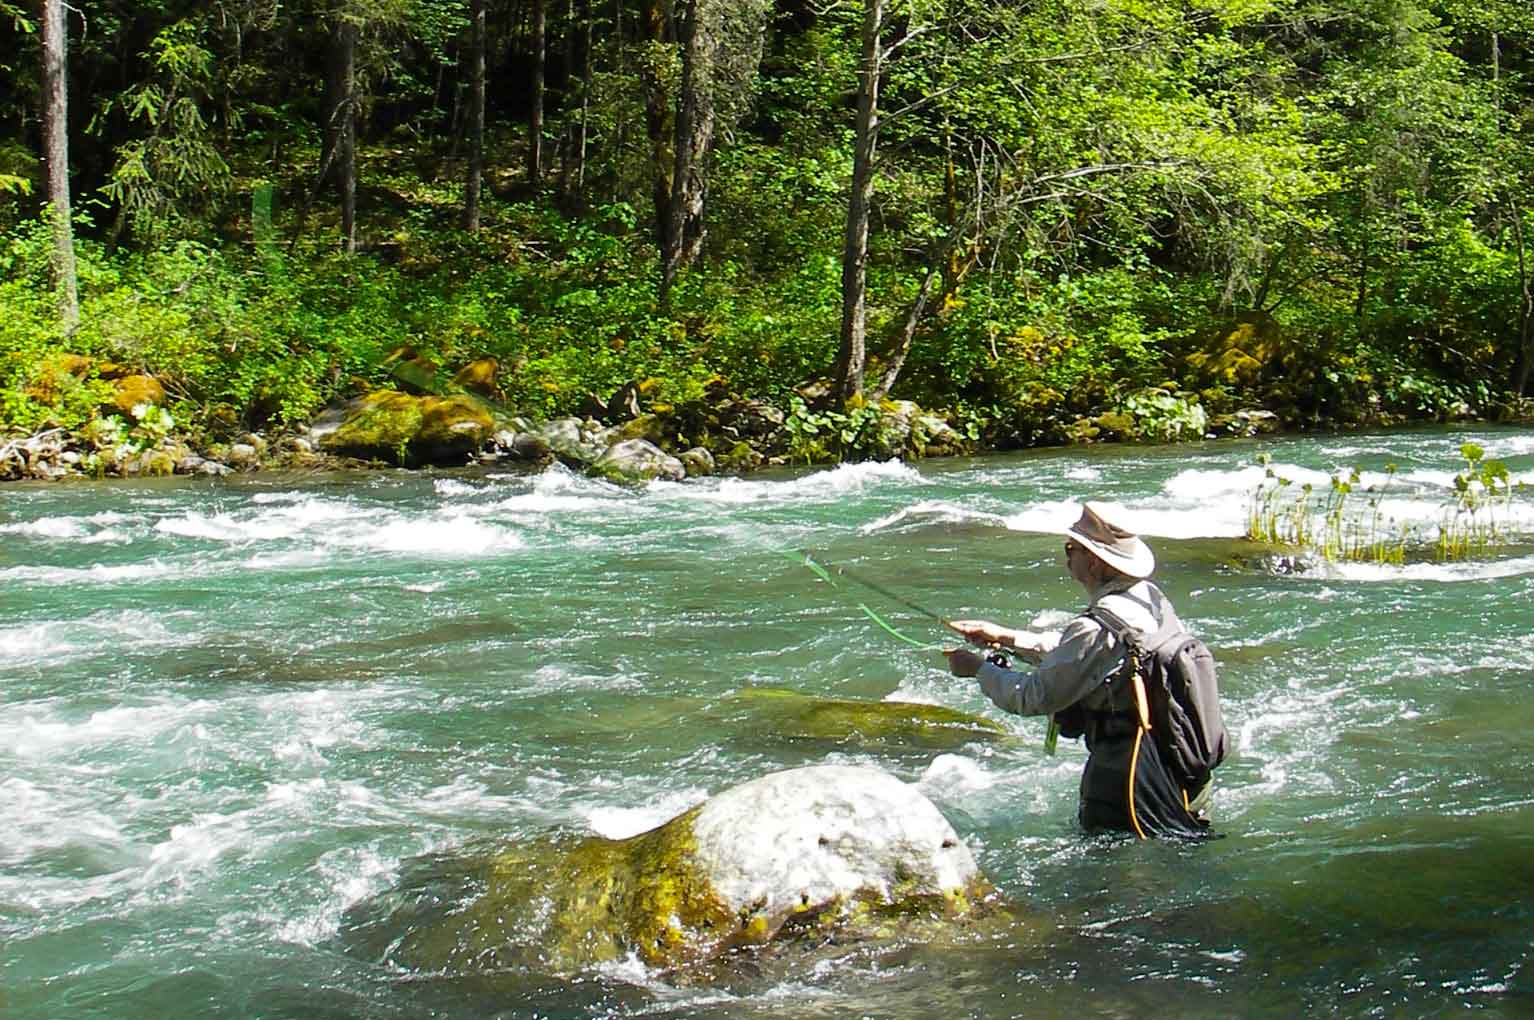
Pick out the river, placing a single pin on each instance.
(231, 710)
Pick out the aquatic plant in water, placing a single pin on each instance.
(1481, 490)
(1338, 529)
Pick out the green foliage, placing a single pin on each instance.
(18, 16)
(1119, 182)
(854, 433)
(144, 427)
(1165, 417)
(169, 174)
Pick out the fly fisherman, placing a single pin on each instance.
(1085, 679)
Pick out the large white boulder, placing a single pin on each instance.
(833, 834)
(824, 851)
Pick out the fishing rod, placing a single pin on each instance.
(824, 569)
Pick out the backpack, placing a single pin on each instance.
(1178, 671)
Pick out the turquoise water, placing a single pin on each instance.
(233, 710)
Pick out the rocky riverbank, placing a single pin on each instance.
(622, 437)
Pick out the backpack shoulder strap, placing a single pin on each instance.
(1116, 624)
(1110, 621)
(1128, 637)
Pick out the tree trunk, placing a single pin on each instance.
(852, 358)
(476, 169)
(540, 69)
(56, 151)
(578, 68)
(682, 237)
(620, 51)
(1525, 310)
(660, 121)
(587, 72)
(566, 105)
(345, 117)
(902, 347)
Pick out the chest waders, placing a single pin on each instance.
(1126, 785)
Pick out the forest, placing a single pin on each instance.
(1044, 221)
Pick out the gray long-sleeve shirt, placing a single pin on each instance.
(1086, 656)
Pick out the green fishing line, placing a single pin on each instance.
(1051, 737)
(825, 575)
(881, 621)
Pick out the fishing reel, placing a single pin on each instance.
(998, 658)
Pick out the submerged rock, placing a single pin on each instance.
(811, 852)
(789, 715)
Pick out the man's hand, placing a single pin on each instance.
(963, 662)
(983, 632)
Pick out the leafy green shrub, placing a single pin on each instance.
(827, 436)
(1162, 416)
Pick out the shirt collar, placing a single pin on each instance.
(1115, 586)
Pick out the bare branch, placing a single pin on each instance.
(1105, 168)
(910, 36)
(923, 101)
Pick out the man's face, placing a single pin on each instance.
(1081, 564)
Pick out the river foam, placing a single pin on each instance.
(106, 632)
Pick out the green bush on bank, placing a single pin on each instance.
(567, 306)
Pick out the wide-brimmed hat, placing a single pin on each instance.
(1100, 531)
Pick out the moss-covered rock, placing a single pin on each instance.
(377, 425)
(451, 429)
(697, 462)
(136, 391)
(805, 853)
(408, 429)
(479, 377)
(649, 427)
(739, 456)
(1246, 422)
(1241, 352)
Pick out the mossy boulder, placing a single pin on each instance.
(1246, 422)
(791, 716)
(739, 456)
(479, 377)
(451, 428)
(409, 429)
(136, 390)
(378, 425)
(649, 427)
(638, 460)
(1246, 351)
(697, 462)
(804, 854)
